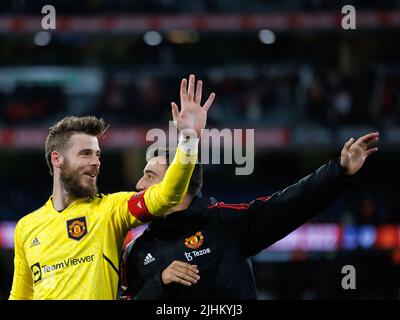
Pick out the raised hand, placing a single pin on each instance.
(180, 272)
(192, 115)
(354, 154)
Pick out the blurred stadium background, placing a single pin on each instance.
(285, 68)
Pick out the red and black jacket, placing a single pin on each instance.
(220, 238)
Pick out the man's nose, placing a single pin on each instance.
(140, 186)
(95, 161)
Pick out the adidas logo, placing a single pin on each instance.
(35, 242)
(149, 258)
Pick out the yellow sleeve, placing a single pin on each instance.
(22, 286)
(131, 209)
(119, 205)
(170, 192)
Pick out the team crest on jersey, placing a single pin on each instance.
(77, 228)
(195, 241)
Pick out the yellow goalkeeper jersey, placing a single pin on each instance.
(74, 254)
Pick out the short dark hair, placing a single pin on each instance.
(61, 132)
(196, 181)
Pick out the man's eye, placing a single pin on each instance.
(150, 177)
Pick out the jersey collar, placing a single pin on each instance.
(49, 205)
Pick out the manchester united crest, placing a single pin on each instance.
(195, 241)
(77, 228)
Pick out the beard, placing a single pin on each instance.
(71, 181)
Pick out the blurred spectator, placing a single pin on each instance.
(277, 96)
(389, 101)
(32, 104)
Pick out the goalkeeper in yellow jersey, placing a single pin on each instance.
(70, 247)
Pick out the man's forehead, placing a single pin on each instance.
(156, 164)
(83, 141)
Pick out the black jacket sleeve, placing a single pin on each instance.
(153, 289)
(132, 285)
(264, 221)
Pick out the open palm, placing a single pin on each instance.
(354, 154)
(192, 115)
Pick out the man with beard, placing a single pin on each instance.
(201, 250)
(70, 247)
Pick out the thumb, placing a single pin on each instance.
(175, 112)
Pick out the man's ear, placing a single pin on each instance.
(57, 159)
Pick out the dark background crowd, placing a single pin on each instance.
(318, 84)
